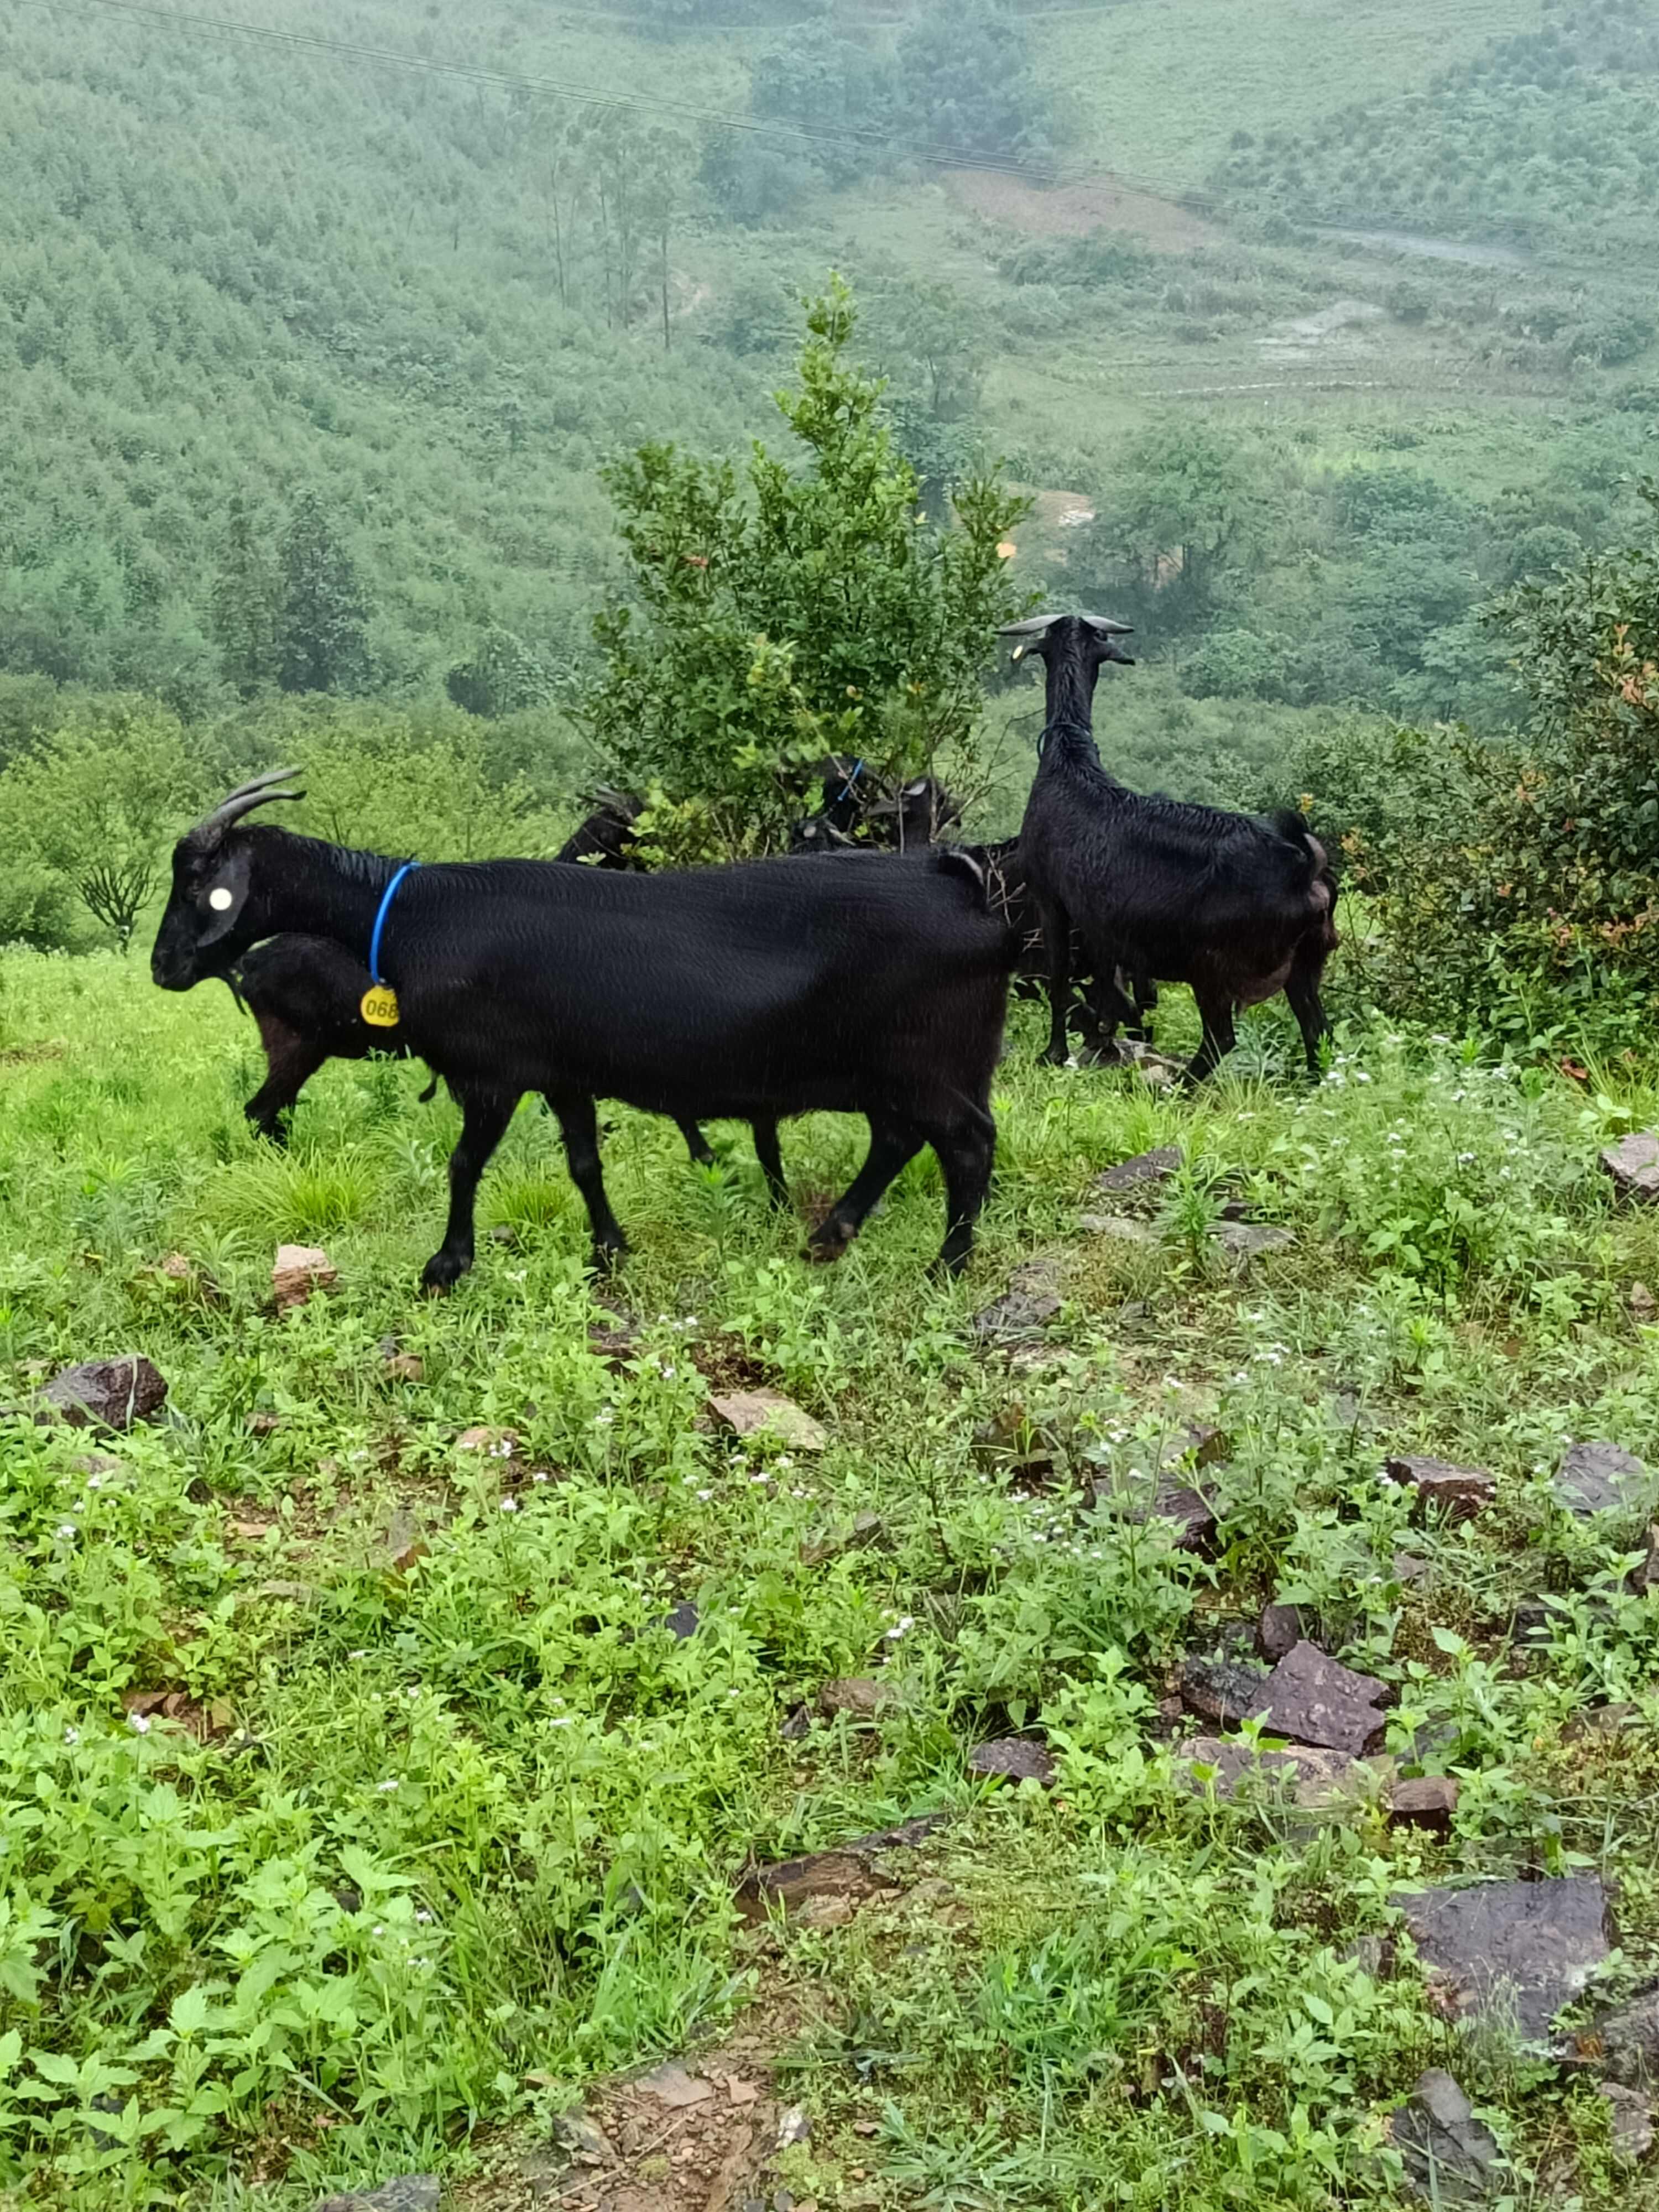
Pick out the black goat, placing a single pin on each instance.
(1239, 906)
(872, 985)
(305, 995)
(1100, 1009)
(859, 808)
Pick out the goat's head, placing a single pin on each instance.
(1088, 640)
(207, 923)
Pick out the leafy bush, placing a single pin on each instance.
(810, 611)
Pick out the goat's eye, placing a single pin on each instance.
(220, 900)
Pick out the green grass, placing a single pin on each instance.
(422, 1850)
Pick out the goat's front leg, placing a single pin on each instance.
(578, 1126)
(291, 1061)
(696, 1144)
(1057, 936)
(1315, 1023)
(486, 1117)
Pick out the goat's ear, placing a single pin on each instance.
(223, 894)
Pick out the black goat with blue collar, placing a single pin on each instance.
(873, 985)
(1239, 906)
(305, 996)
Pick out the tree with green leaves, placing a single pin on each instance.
(1185, 502)
(804, 609)
(322, 622)
(243, 609)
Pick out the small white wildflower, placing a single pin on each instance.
(140, 1722)
(71, 1735)
(783, 1462)
(421, 1966)
(413, 1691)
(423, 1919)
(94, 1482)
(386, 1788)
(1360, 1076)
(541, 1475)
(705, 1495)
(509, 1505)
(902, 1627)
(563, 1720)
(603, 1418)
(67, 1531)
(377, 1931)
(503, 1449)
(356, 1655)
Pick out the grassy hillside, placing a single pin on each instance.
(370, 1793)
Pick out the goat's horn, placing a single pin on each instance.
(1033, 626)
(243, 800)
(1108, 628)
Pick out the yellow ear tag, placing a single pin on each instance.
(379, 1006)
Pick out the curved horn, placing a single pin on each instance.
(242, 801)
(1108, 627)
(1033, 626)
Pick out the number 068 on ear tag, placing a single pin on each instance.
(379, 1006)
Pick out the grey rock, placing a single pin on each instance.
(1449, 2156)
(1119, 1228)
(671, 2084)
(858, 1696)
(847, 1872)
(1195, 1445)
(1512, 1951)
(681, 1622)
(1601, 1478)
(1013, 1758)
(1315, 1780)
(107, 1394)
(1247, 1241)
(1191, 1512)
(1634, 1163)
(1313, 1699)
(1144, 1172)
(584, 2138)
(1631, 2124)
(1279, 1631)
(1627, 2041)
(1460, 1492)
(1644, 1575)
(1032, 1300)
(406, 2192)
(793, 2127)
(1220, 1689)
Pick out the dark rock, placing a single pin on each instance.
(298, 1272)
(674, 2086)
(1407, 1568)
(1641, 1303)
(1458, 1492)
(1013, 1758)
(1032, 1301)
(403, 1367)
(795, 1725)
(1625, 2042)
(1644, 1575)
(1313, 1699)
(681, 1622)
(408, 2192)
(613, 1346)
(1316, 1780)
(1634, 1163)
(1598, 1721)
(1601, 1478)
(1244, 1241)
(1192, 1514)
(1449, 2156)
(107, 1394)
(1512, 1951)
(1220, 1689)
(584, 2138)
(1428, 1803)
(1144, 1172)
(1279, 1631)
(1630, 2124)
(1194, 1445)
(770, 1413)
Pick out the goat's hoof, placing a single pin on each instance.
(1049, 1057)
(609, 1256)
(828, 1242)
(443, 1270)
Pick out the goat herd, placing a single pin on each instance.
(873, 984)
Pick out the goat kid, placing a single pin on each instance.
(873, 985)
(1239, 906)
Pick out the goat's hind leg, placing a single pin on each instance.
(485, 1114)
(1215, 1009)
(578, 1125)
(771, 1161)
(1302, 990)
(696, 1144)
(893, 1144)
(967, 1155)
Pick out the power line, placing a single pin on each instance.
(946, 157)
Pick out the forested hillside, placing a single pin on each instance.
(313, 358)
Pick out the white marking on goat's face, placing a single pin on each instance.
(221, 900)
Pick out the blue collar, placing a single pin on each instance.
(389, 894)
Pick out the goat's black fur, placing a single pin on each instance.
(872, 985)
(1102, 1006)
(1239, 906)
